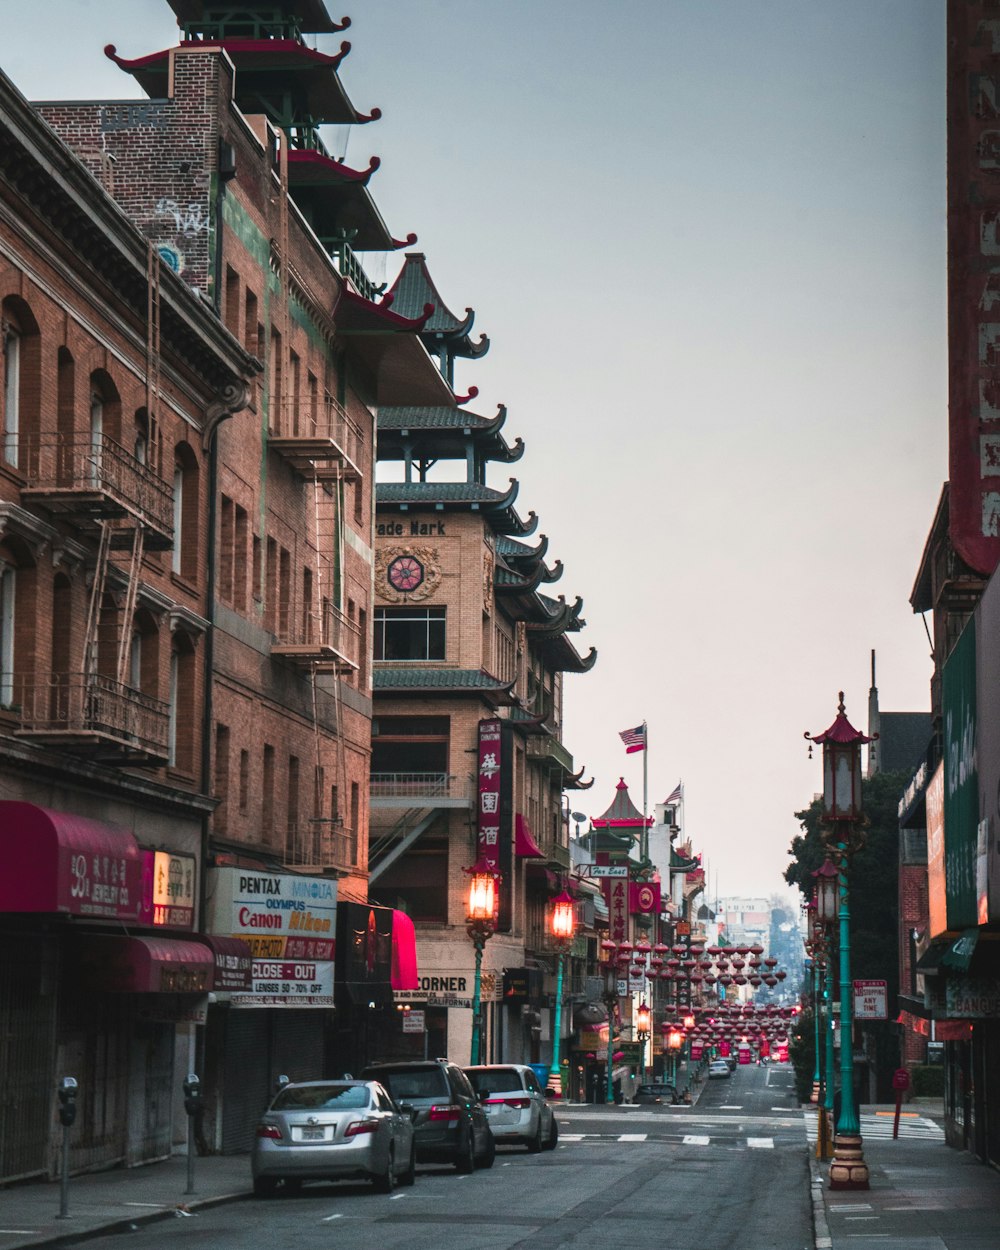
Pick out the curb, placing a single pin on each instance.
(821, 1229)
(114, 1228)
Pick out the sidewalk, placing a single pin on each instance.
(111, 1202)
(923, 1196)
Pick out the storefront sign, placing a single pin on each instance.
(454, 989)
(988, 753)
(289, 922)
(972, 998)
(937, 900)
(616, 897)
(488, 804)
(871, 1000)
(961, 779)
(168, 890)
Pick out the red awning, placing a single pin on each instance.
(146, 965)
(233, 962)
(404, 952)
(60, 862)
(524, 840)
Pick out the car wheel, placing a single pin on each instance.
(553, 1137)
(385, 1183)
(485, 1160)
(465, 1161)
(264, 1186)
(534, 1144)
(410, 1175)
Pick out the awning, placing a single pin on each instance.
(59, 862)
(145, 965)
(233, 962)
(404, 952)
(952, 953)
(525, 845)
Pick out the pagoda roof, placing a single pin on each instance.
(497, 506)
(841, 732)
(445, 431)
(334, 199)
(559, 609)
(562, 655)
(415, 287)
(414, 680)
(265, 70)
(623, 813)
(310, 16)
(389, 347)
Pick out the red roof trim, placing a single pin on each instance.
(380, 313)
(473, 390)
(290, 47)
(306, 159)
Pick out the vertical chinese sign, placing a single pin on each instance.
(974, 281)
(616, 897)
(493, 809)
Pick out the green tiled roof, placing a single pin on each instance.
(433, 492)
(434, 679)
(440, 418)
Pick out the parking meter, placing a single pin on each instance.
(192, 1094)
(67, 1101)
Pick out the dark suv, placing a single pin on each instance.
(450, 1125)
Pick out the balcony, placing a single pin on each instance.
(326, 445)
(409, 790)
(550, 752)
(333, 643)
(94, 715)
(348, 266)
(90, 479)
(320, 846)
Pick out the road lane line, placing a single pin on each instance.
(696, 1139)
(760, 1143)
(633, 1137)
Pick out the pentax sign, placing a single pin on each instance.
(871, 1000)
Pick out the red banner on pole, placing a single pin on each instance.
(488, 798)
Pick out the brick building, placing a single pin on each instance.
(468, 643)
(115, 382)
(265, 521)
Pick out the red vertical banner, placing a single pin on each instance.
(488, 797)
(616, 897)
(974, 281)
(644, 897)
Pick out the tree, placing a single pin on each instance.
(873, 884)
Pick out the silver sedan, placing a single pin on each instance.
(332, 1130)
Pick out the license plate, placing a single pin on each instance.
(313, 1134)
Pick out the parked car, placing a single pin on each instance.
(718, 1069)
(656, 1092)
(332, 1130)
(515, 1105)
(449, 1122)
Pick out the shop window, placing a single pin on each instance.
(409, 633)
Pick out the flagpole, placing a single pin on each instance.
(644, 841)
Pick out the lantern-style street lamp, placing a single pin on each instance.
(642, 1021)
(562, 924)
(481, 920)
(842, 812)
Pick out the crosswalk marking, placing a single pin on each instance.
(696, 1139)
(760, 1143)
(873, 1125)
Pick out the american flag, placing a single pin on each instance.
(634, 739)
(675, 795)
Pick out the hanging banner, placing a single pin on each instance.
(616, 896)
(936, 892)
(961, 779)
(644, 897)
(973, 133)
(488, 803)
(988, 753)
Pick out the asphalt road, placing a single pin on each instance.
(728, 1174)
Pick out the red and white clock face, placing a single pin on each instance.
(405, 573)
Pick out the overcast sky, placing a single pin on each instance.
(707, 242)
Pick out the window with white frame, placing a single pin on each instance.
(409, 633)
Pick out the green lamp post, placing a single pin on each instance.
(562, 925)
(481, 923)
(842, 812)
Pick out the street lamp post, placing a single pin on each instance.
(826, 913)
(562, 923)
(481, 920)
(610, 965)
(842, 812)
(642, 1020)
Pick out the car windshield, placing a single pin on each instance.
(415, 1083)
(310, 1097)
(494, 1080)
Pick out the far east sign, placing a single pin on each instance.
(871, 1000)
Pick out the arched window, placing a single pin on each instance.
(18, 588)
(186, 513)
(21, 383)
(181, 721)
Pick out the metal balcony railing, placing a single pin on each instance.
(96, 477)
(348, 266)
(319, 844)
(332, 640)
(416, 785)
(319, 443)
(96, 714)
